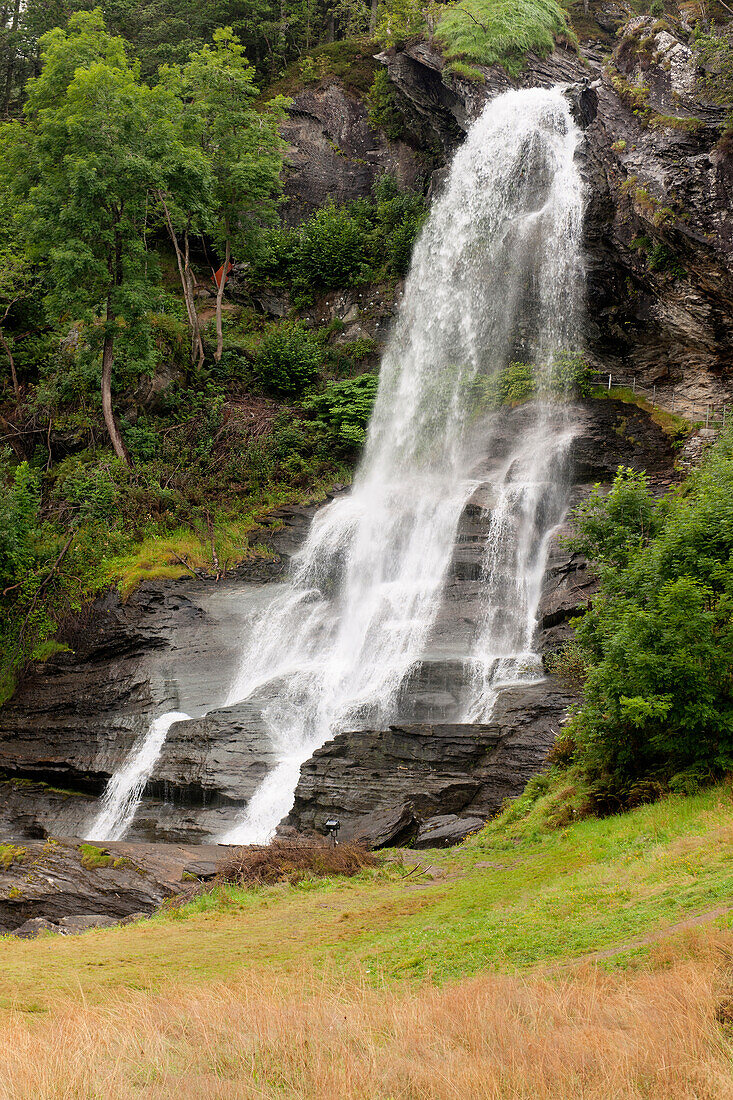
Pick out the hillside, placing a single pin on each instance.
(489, 970)
(366, 469)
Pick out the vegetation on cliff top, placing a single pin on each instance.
(489, 32)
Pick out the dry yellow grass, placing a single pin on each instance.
(661, 1033)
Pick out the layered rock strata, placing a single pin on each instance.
(176, 645)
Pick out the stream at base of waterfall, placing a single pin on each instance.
(496, 276)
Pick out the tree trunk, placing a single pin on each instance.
(197, 347)
(12, 47)
(219, 300)
(197, 342)
(109, 416)
(13, 374)
(373, 18)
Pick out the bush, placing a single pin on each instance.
(570, 373)
(343, 410)
(341, 247)
(658, 699)
(382, 106)
(19, 522)
(292, 861)
(332, 251)
(287, 360)
(91, 488)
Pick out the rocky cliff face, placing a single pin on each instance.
(428, 785)
(659, 226)
(334, 154)
(175, 645)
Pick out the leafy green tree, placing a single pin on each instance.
(658, 698)
(242, 144)
(97, 144)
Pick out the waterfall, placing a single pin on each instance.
(124, 791)
(495, 275)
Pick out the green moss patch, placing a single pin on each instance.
(491, 32)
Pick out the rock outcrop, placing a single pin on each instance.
(63, 887)
(427, 784)
(175, 645)
(659, 224)
(334, 154)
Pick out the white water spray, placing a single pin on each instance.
(124, 790)
(495, 274)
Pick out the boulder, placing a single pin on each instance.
(446, 830)
(29, 929)
(74, 925)
(387, 786)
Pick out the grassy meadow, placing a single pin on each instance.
(591, 961)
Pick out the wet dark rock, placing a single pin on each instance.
(388, 785)
(443, 832)
(659, 219)
(334, 154)
(389, 827)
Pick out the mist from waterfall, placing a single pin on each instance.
(495, 275)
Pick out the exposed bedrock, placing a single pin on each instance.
(334, 154)
(175, 645)
(424, 784)
(659, 220)
(57, 886)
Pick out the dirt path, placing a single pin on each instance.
(705, 917)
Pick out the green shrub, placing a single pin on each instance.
(288, 359)
(92, 489)
(382, 106)
(19, 524)
(570, 373)
(341, 247)
(343, 410)
(332, 250)
(658, 698)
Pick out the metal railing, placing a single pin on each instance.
(708, 415)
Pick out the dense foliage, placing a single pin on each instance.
(657, 707)
(338, 246)
(569, 375)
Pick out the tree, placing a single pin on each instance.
(97, 145)
(17, 279)
(658, 698)
(242, 144)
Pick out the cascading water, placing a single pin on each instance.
(124, 790)
(495, 274)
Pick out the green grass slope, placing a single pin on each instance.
(511, 898)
